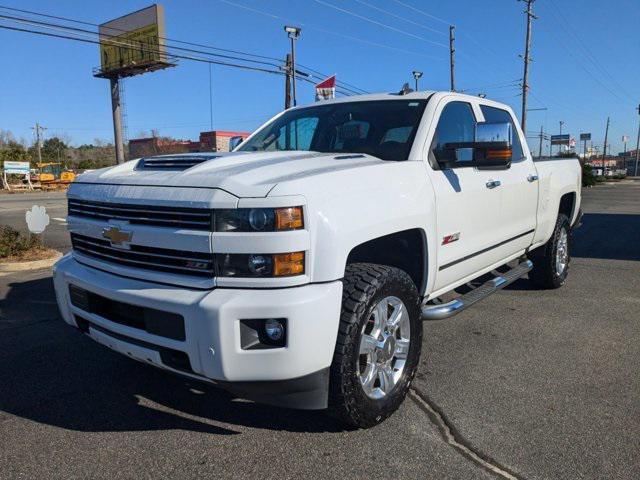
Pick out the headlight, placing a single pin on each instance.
(258, 219)
(260, 265)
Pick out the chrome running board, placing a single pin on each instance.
(446, 310)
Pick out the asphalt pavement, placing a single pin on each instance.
(13, 208)
(527, 384)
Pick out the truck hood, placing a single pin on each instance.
(243, 174)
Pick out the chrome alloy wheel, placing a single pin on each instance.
(384, 347)
(562, 252)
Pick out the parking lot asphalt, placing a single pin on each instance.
(527, 384)
(13, 208)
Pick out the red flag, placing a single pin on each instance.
(326, 89)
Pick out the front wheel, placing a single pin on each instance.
(551, 261)
(378, 346)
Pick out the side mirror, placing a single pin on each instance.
(234, 142)
(493, 145)
(491, 149)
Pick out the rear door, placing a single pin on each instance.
(518, 189)
(467, 206)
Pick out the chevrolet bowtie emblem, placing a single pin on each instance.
(116, 236)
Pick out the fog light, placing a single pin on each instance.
(274, 329)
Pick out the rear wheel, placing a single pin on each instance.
(551, 261)
(378, 346)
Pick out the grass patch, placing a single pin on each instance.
(18, 247)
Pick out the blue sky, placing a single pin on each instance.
(585, 64)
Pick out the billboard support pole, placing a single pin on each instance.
(604, 150)
(635, 171)
(116, 109)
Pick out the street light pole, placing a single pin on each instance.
(635, 171)
(417, 75)
(293, 33)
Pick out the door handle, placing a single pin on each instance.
(493, 183)
(532, 178)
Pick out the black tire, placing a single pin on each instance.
(365, 285)
(545, 274)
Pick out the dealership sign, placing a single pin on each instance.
(585, 136)
(20, 168)
(560, 139)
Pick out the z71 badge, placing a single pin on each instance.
(454, 237)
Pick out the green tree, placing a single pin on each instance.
(54, 150)
(14, 152)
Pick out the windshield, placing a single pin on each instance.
(384, 129)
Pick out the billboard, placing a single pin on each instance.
(20, 168)
(585, 137)
(133, 44)
(560, 139)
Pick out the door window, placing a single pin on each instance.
(457, 124)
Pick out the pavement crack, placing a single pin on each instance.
(453, 438)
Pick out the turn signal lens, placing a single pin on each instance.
(499, 154)
(289, 218)
(287, 264)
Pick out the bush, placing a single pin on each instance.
(588, 178)
(13, 243)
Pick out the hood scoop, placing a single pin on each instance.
(173, 162)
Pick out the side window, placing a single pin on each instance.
(456, 124)
(497, 115)
(300, 132)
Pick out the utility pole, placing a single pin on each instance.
(287, 82)
(635, 171)
(561, 125)
(293, 33)
(417, 75)
(604, 149)
(527, 59)
(116, 110)
(38, 130)
(452, 57)
(540, 147)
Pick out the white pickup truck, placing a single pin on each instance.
(297, 269)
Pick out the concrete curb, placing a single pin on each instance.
(15, 267)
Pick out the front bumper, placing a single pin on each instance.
(212, 331)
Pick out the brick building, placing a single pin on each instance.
(213, 141)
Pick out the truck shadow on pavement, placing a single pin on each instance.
(608, 236)
(52, 374)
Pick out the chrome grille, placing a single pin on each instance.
(172, 217)
(151, 258)
(173, 162)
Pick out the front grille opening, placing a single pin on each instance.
(170, 357)
(159, 216)
(155, 322)
(151, 258)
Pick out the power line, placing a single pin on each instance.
(399, 17)
(81, 22)
(375, 22)
(329, 32)
(173, 47)
(113, 41)
(422, 12)
(589, 54)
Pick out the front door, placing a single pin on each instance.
(468, 201)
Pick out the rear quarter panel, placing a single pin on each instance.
(556, 178)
